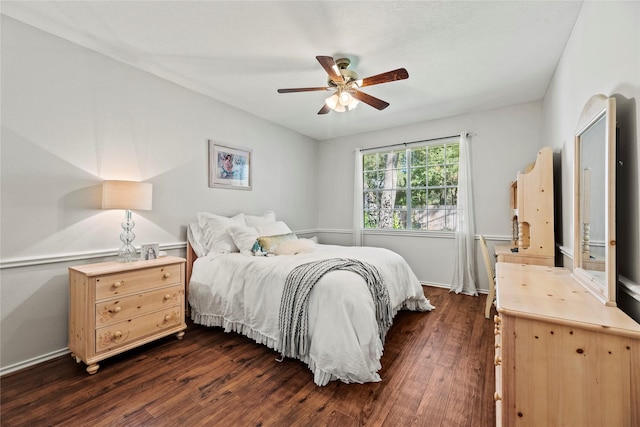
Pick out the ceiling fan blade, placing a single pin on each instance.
(389, 76)
(371, 100)
(331, 68)
(325, 109)
(302, 89)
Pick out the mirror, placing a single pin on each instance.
(594, 262)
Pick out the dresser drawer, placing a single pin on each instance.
(118, 309)
(128, 282)
(131, 330)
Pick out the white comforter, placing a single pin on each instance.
(242, 294)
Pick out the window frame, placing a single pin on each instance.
(450, 211)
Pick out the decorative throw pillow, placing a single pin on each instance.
(257, 220)
(295, 247)
(216, 238)
(267, 245)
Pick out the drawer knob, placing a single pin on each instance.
(117, 284)
(117, 334)
(496, 396)
(497, 319)
(167, 296)
(496, 331)
(166, 275)
(116, 309)
(167, 317)
(498, 361)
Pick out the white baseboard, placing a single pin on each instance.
(33, 361)
(448, 286)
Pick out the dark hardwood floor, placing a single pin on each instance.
(437, 371)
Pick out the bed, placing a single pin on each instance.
(326, 305)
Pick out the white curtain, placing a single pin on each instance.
(463, 277)
(358, 218)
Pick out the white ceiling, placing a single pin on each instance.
(462, 56)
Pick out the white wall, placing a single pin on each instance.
(71, 118)
(602, 56)
(505, 141)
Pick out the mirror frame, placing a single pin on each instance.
(597, 107)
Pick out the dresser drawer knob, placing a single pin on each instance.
(167, 317)
(166, 275)
(117, 334)
(497, 396)
(497, 319)
(117, 284)
(167, 297)
(116, 309)
(498, 361)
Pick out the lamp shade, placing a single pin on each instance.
(127, 195)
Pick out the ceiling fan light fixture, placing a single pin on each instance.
(345, 98)
(341, 101)
(332, 101)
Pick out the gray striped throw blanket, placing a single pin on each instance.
(294, 308)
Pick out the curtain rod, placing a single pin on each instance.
(413, 142)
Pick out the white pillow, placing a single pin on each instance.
(266, 218)
(216, 238)
(244, 238)
(272, 229)
(294, 247)
(196, 239)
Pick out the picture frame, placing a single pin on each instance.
(229, 167)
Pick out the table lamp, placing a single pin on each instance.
(126, 195)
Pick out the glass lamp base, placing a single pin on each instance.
(127, 252)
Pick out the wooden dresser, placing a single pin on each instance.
(562, 357)
(115, 306)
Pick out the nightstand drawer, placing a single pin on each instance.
(131, 330)
(128, 282)
(118, 309)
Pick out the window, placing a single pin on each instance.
(412, 188)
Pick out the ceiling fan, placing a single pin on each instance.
(346, 84)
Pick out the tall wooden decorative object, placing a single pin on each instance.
(531, 198)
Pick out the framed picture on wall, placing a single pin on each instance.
(229, 167)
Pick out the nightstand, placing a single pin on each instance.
(115, 307)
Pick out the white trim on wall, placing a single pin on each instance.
(566, 251)
(74, 256)
(80, 256)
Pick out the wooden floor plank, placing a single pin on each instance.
(437, 369)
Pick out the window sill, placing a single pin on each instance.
(410, 233)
